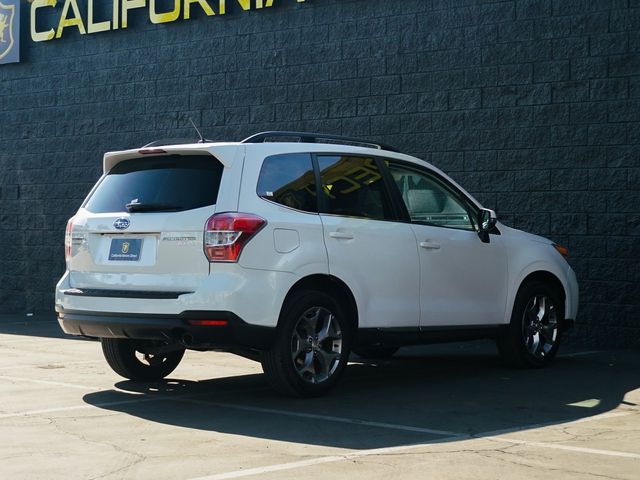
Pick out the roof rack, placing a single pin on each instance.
(304, 137)
(165, 142)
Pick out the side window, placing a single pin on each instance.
(429, 201)
(289, 180)
(353, 186)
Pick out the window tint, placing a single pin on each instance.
(289, 180)
(354, 186)
(184, 182)
(429, 201)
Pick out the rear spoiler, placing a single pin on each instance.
(223, 152)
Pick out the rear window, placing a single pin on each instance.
(184, 182)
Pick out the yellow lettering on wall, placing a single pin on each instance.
(167, 17)
(75, 21)
(130, 5)
(41, 36)
(96, 27)
(116, 13)
(71, 16)
(203, 4)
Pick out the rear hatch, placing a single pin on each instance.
(141, 228)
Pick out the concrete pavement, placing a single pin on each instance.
(447, 411)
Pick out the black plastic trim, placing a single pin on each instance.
(168, 142)
(95, 292)
(171, 328)
(307, 137)
(398, 337)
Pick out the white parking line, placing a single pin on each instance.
(558, 446)
(317, 461)
(601, 416)
(77, 407)
(48, 382)
(352, 421)
(190, 399)
(62, 364)
(448, 436)
(140, 398)
(30, 323)
(8, 342)
(403, 448)
(592, 418)
(389, 450)
(580, 354)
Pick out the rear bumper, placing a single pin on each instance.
(174, 328)
(256, 296)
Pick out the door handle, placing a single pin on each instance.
(341, 235)
(428, 245)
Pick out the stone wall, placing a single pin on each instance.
(533, 105)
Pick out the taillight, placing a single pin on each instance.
(68, 241)
(226, 234)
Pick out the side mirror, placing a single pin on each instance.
(487, 219)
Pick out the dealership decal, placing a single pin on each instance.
(9, 31)
(88, 20)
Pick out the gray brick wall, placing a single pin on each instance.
(534, 105)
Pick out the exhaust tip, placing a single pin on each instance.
(187, 339)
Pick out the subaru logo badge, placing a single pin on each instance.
(122, 223)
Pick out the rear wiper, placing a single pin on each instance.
(152, 207)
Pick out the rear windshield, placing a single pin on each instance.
(183, 182)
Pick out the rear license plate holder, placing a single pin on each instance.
(125, 249)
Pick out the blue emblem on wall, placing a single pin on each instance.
(9, 31)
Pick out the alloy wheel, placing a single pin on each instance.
(316, 345)
(540, 326)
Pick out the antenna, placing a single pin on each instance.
(202, 140)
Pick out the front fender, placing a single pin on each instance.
(562, 274)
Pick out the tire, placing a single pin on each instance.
(532, 338)
(312, 346)
(376, 352)
(122, 355)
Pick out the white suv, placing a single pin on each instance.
(295, 253)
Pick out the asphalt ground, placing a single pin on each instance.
(442, 412)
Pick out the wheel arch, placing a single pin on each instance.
(328, 284)
(547, 277)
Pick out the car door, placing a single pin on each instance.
(368, 248)
(463, 280)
